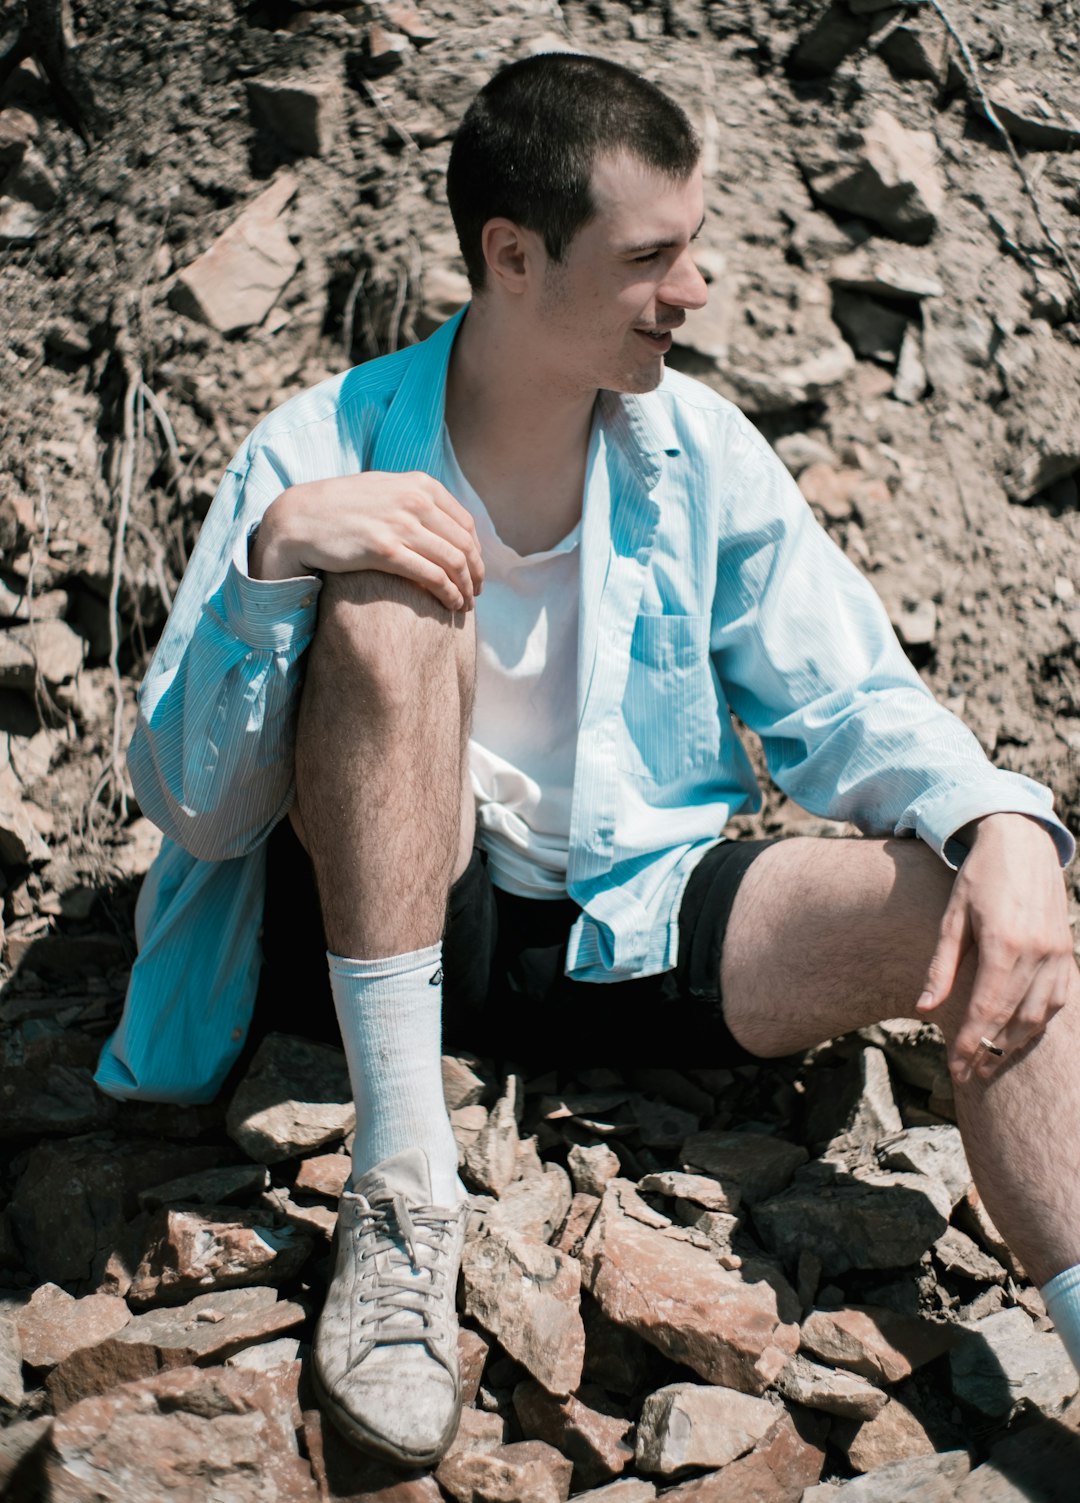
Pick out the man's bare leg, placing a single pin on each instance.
(380, 759)
(827, 936)
(380, 750)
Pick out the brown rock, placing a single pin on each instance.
(466, 1123)
(54, 1324)
(878, 1344)
(208, 1329)
(208, 1248)
(893, 1435)
(222, 1433)
(758, 1165)
(678, 1298)
(843, 1393)
(472, 1355)
(491, 1158)
(699, 1189)
(959, 1253)
(830, 488)
(295, 1098)
(592, 1167)
(236, 282)
(301, 112)
(462, 1086)
(11, 1378)
(780, 1470)
(527, 1295)
(345, 1475)
(48, 648)
(689, 1425)
(595, 1442)
(535, 1207)
(528, 1472)
(575, 1228)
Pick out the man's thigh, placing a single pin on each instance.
(828, 935)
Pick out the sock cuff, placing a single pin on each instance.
(385, 967)
(1060, 1287)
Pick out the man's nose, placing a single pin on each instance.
(685, 287)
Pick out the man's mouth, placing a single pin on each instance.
(659, 339)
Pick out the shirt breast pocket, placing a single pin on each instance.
(670, 706)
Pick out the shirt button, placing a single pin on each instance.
(236, 1035)
(306, 601)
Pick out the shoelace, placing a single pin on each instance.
(398, 1237)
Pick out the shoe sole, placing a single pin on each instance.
(377, 1445)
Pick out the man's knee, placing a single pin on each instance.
(387, 637)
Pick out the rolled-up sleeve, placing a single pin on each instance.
(809, 660)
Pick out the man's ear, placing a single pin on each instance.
(510, 253)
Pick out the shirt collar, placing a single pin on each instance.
(640, 426)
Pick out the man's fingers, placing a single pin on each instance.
(428, 575)
(999, 988)
(941, 973)
(1044, 997)
(440, 524)
(447, 508)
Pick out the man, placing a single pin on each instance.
(645, 562)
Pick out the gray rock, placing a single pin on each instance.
(874, 330)
(873, 1221)
(11, 1378)
(922, 1479)
(294, 1099)
(699, 1189)
(462, 1086)
(535, 1207)
(528, 1296)
(854, 1102)
(891, 178)
(491, 1157)
(818, 1387)
(937, 1152)
(232, 1184)
(48, 648)
(959, 1253)
(754, 1165)
(301, 112)
(1003, 1360)
(592, 1167)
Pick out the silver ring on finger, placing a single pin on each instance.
(992, 1048)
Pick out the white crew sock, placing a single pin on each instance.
(1062, 1299)
(390, 1015)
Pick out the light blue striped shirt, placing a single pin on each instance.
(705, 584)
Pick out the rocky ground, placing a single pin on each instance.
(773, 1283)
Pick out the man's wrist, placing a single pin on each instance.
(272, 549)
(1001, 822)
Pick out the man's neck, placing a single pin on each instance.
(520, 440)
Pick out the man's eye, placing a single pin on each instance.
(649, 256)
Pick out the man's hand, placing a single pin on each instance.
(408, 525)
(1008, 902)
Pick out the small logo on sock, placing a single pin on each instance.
(436, 978)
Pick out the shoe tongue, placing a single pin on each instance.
(407, 1173)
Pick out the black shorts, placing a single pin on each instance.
(505, 994)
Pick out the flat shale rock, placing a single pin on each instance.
(47, 647)
(959, 1253)
(535, 1207)
(575, 1228)
(595, 1442)
(875, 1221)
(1035, 1465)
(934, 1151)
(699, 1189)
(294, 1099)
(893, 1435)
(841, 1393)
(345, 1475)
(53, 1324)
(629, 1490)
(527, 1295)
(678, 1298)
(876, 1343)
(688, 1425)
(209, 1329)
(1004, 1360)
(891, 178)
(750, 1166)
(462, 1086)
(208, 1248)
(491, 1157)
(779, 1470)
(854, 1100)
(11, 1378)
(232, 1184)
(301, 112)
(221, 1434)
(526, 1472)
(237, 280)
(326, 1174)
(922, 1479)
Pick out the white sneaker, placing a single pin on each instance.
(385, 1355)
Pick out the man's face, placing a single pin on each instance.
(606, 311)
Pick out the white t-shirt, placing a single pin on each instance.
(524, 733)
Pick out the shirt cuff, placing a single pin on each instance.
(939, 819)
(271, 615)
